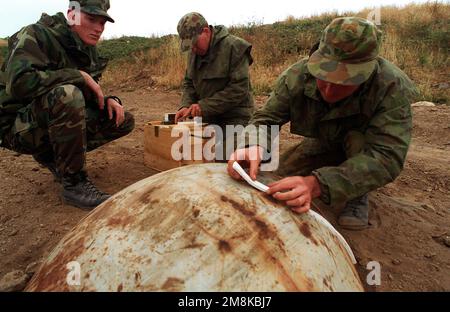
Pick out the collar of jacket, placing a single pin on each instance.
(219, 33)
(347, 107)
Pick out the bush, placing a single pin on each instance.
(125, 46)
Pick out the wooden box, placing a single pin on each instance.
(158, 142)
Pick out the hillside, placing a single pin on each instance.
(416, 39)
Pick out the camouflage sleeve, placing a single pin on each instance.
(189, 95)
(29, 73)
(384, 148)
(234, 93)
(275, 112)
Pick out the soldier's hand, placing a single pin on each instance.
(297, 192)
(182, 114)
(95, 88)
(247, 157)
(114, 107)
(196, 110)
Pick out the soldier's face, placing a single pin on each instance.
(201, 45)
(90, 28)
(333, 93)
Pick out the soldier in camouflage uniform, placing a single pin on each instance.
(217, 83)
(353, 108)
(51, 105)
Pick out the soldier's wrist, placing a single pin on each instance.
(315, 186)
(324, 191)
(113, 97)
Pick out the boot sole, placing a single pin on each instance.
(74, 204)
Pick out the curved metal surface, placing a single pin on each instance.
(196, 229)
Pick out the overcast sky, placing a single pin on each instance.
(146, 18)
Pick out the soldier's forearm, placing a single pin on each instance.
(36, 83)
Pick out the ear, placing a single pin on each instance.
(70, 16)
(207, 30)
(73, 18)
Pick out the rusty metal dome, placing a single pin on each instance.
(196, 229)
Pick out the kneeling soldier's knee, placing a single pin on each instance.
(66, 102)
(66, 96)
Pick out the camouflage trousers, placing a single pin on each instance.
(60, 126)
(312, 154)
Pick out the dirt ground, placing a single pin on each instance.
(410, 219)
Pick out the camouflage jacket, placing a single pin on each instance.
(42, 56)
(379, 114)
(219, 81)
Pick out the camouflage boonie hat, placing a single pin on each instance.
(95, 7)
(189, 27)
(347, 52)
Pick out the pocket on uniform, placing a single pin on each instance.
(27, 138)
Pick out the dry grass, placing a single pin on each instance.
(164, 66)
(3, 48)
(416, 38)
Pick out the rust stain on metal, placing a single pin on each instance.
(264, 231)
(53, 275)
(120, 220)
(173, 284)
(145, 198)
(196, 213)
(224, 246)
(243, 236)
(284, 277)
(327, 282)
(137, 278)
(237, 206)
(194, 246)
(306, 231)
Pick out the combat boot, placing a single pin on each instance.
(355, 215)
(80, 192)
(50, 164)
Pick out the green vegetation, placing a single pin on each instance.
(416, 39)
(114, 49)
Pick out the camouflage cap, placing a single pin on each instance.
(189, 27)
(347, 52)
(95, 7)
